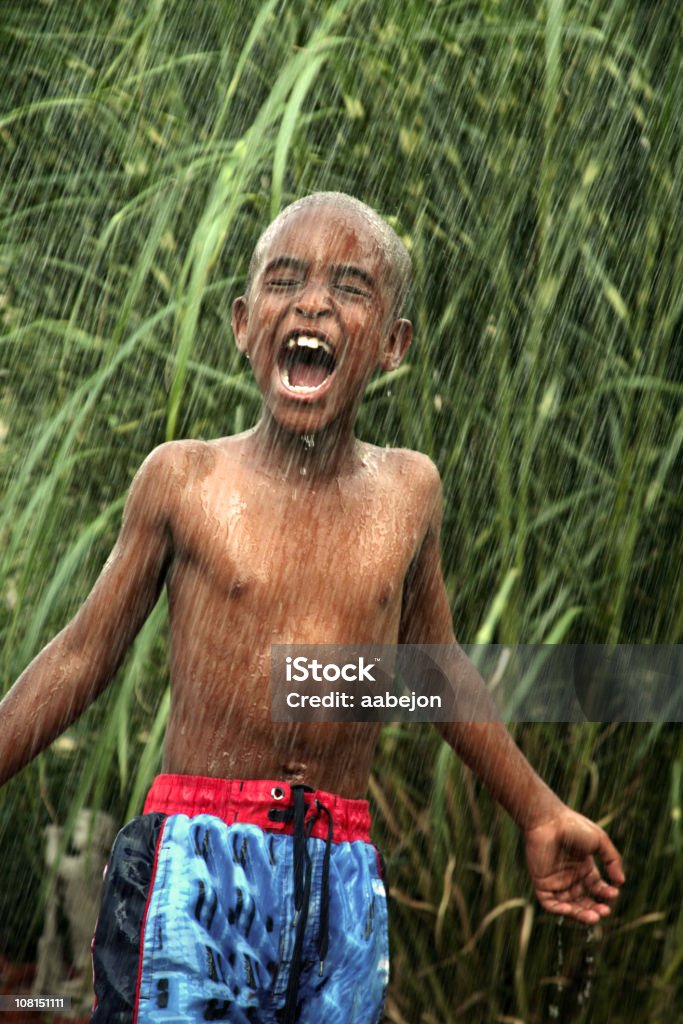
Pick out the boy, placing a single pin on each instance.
(248, 890)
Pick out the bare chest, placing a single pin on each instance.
(302, 554)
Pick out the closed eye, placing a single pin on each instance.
(351, 289)
(283, 282)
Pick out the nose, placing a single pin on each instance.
(313, 301)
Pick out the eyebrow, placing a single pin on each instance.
(288, 262)
(338, 269)
(349, 270)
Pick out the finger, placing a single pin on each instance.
(609, 855)
(577, 893)
(572, 894)
(596, 841)
(589, 915)
(584, 910)
(586, 877)
(601, 890)
(593, 890)
(598, 887)
(569, 875)
(567, 908)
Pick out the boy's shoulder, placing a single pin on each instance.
(184, 457)
(407, 460)
(411, 468)
(171, 469)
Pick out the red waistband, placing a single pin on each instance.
(250, 800)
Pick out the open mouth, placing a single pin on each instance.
(305, 362)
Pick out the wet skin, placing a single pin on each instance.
(277, 542)
(258, 561)
(262, 539)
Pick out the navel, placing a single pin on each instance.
(237, 588)
(293, 771)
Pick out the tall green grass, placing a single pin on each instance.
(530, 155)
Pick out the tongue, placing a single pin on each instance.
(303, 375)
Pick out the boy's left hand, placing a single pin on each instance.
(560, 854)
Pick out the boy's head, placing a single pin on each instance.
(398, 263)
(326, 284)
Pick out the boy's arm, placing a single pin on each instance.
(560, 844)
(74, 668)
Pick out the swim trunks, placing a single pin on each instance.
(242, 901)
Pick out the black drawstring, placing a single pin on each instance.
(299, 814)
(324, 931)
(302, 887)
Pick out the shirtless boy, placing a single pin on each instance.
(262, 899)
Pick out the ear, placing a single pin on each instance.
(396, 345)
(240, 322)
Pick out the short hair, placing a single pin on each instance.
(395, 252)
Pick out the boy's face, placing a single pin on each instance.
(319, 318)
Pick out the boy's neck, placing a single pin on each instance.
(323, 455)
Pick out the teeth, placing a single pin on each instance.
(304, 341)
(311, 343)
(302, 389)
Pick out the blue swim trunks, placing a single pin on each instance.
(242, 901)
